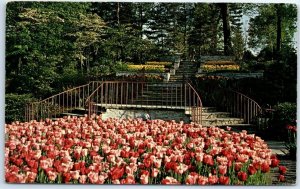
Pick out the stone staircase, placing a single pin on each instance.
(162, 94)
(186, 69)
(212, 117)
(171, 95)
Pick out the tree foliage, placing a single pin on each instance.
(51, 46)
(263, 27)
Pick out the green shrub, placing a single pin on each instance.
(291, 143)
(15, 106)
(284, 115)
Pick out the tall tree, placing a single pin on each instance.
(53, 35)
(278, 8)
(204, 36)
(226, 28)
(274, 26)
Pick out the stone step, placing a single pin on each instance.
(251, 129)
(156, 102)
(222, 121)
(179, 78)
(156, 94)
(160, 100)
(237, 127)
(160, 92)
(72, 114)
(211, 115)
(207, 109)
(186, 70)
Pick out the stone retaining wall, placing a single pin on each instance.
(233, 75)
(166, 76)
(176, 115)
(215, 58)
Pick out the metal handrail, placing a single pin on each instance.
(59, 103)
(105, 94)
(242, 106)
(197, 108)
(112, 94)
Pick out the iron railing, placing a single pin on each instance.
(118, 94)
(63, 102)
(240, 105)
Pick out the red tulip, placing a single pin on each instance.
(117, 173)
(31, 176)
(242, 176)
(93, 153)
(265, 167)
(224, 180)
(202, 180)
(11, 178)
(213, 171)
(67, 177)
(273, 156)
(208, 159)
(251, 170)
(256, 165)
(238, 166)
(147, 162)
(165, 181)
(274, 162)
(124, 154)
(281, 178)
(213, 179)
(282, 170)
(76, 166)
(222, 169)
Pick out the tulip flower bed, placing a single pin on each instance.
(90, 150)
(225, 67)
(163, 63)
(146, 68)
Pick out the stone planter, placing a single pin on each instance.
(176, 65)
(172, 71)
(166, 76)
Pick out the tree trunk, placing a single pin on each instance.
(279, 20)
(141, 20)
(226, 28)
(118, 14)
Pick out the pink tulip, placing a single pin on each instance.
(93, 177)
(31, 176)
(191, 179)
(75, 174)
(202, 180)
(52, 175)
(144, 179)
(222, 169)
(154, 172)
(213, 179)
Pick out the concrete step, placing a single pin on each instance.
(212, 115)
(222, 121)
(72, 114)
(160, 103)
(156, 94)
(251, 129)
(237, 127)
(208, 109)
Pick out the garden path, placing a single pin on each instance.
(279, 148)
